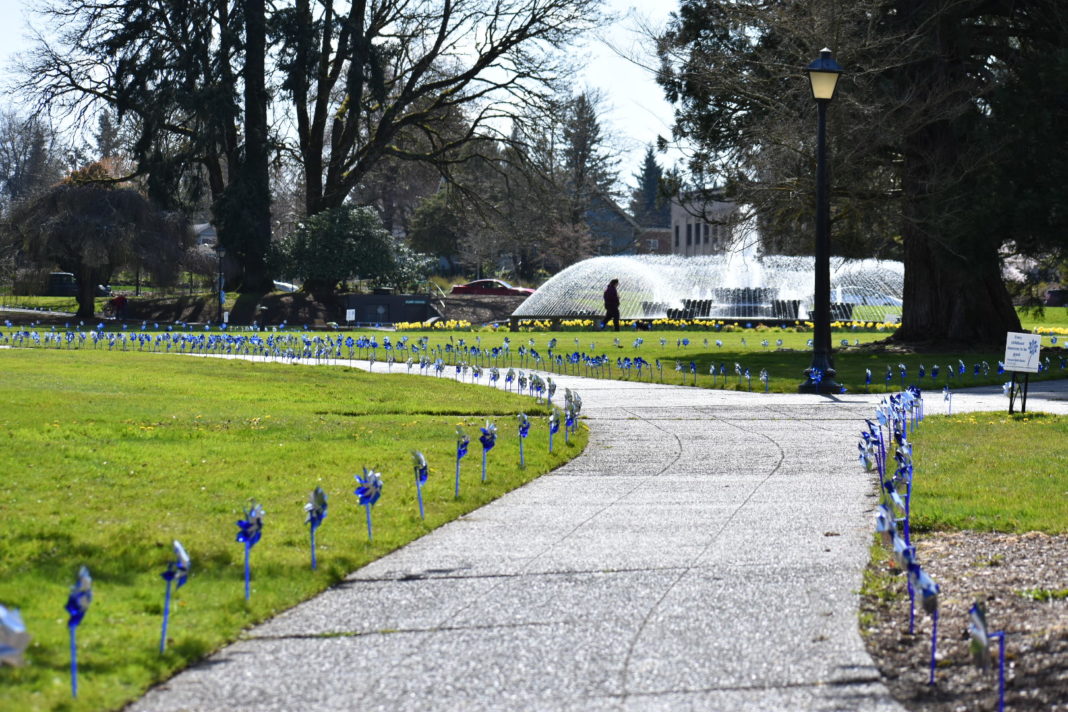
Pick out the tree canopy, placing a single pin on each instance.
(357, 82)
(916, 154)
(92, 229)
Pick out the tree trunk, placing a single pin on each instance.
(949, 299)
(86, 293)
(243, 215)
(953, 289)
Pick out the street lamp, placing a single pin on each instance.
(220, 251)
(823, 78)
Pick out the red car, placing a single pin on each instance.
(491, 286)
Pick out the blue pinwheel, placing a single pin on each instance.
(764, 378)
(488, 438)
(368, 492)
(462, 442)
(81, 595)
(316, 509)
(885, 524)
(13, 637)
(524, 430)
(554, 426)
(422, 471)
(177, 570)
(249, 531)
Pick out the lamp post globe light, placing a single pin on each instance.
(220, 251)
(823, 78)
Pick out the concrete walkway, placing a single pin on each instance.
(705, 553)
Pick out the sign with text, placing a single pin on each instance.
(350, 315)
(1021, 352)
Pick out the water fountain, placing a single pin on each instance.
(730, 286)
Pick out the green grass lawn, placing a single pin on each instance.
(991, 472)
(108, 457)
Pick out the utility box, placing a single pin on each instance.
(390, 308)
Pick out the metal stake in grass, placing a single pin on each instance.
(368, 492)
(316, 509)
(81, 595)
(177, 569)
(249, 531)
(461, 449)
(488, 440)
(421, 474)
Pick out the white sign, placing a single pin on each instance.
(350, 315)
(226, 317)
(1021, 352)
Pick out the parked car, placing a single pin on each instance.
(285, 287)
(64, 284)
(1057, 298)
(491, 286)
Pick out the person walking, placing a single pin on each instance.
(611, 304)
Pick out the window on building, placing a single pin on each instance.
(706, 233)
(676, 236)
(654, 244)
(689, 234)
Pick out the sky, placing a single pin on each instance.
(618, 64)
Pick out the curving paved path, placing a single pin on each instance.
(705, 553)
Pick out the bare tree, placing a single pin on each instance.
(364, 81)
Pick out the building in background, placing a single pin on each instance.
(702, 226)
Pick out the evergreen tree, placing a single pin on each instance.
(649, 203)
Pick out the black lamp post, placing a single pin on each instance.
(220, 251)
(823, 77)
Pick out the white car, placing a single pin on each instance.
(286, 287)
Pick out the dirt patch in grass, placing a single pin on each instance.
(1021, 579)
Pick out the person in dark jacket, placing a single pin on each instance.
(611, 304)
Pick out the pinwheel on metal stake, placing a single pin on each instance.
(570, 421)
(554, 425)
(176, 570)
(81, 595)
(368, 492)
(764, 378)
(13, 637)
(928, 590)
(488, 438)
(462, 442)
(421, 474)
(524, 430)
(249, 531)
(980, 647)
(316, 509)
